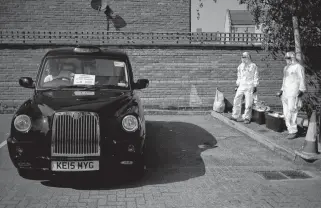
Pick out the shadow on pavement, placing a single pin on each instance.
(5, 121)
(173, 154)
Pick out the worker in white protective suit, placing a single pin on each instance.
(247, 82)
(292, 90)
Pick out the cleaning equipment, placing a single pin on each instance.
(275, 121)
(219, 104)
(259, 110)
(310, 148)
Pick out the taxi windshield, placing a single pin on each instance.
(59, 72)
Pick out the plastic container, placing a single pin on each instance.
(275, 123)
(258, 116)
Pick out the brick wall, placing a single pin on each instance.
(179, 76)
(139, 15)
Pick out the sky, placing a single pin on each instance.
(212, 15)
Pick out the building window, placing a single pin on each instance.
(243, 29)
(250, 30)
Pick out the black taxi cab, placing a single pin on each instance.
(84, 115)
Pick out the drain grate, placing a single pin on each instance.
(283, 175)
(272, 175)
(294, 174)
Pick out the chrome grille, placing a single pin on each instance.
(75, 134)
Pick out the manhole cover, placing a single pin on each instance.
(294, 174)
(271, 175)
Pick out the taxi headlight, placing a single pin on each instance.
(130, 123)
(22, 123)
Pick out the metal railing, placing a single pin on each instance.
(128, 38)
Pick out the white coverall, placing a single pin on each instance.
(293, 81)
(247, 79)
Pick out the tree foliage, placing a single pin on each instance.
(276, 19)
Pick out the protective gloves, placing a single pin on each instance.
(254, 90)
(300, 94)
(279, 93)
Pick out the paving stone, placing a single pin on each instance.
(140, 201)
(37, 206)
(107, 206)
(126, 199)
(9, 202)
(77, 204)
(117, 203)
(134, 195)
(84, 195)
(97, 197)
(112, 197)
(102, 202)
(121, 193)
(88, 200)
(63, 203)
(131, 204)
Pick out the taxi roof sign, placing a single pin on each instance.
(86, 49)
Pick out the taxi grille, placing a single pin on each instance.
(75, 134)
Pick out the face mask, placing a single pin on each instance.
(245, 59)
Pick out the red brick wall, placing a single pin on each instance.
(139, 15)
(173, 72)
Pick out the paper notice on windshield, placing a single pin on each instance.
(84, 79)
(119, 64)
(81, 93)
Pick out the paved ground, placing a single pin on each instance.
(276, 141)
(192, 161)
(4, 126)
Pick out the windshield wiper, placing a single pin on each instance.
(104, 86)
(68, 86)
(111, 86)
(90, 87)
(73, 86)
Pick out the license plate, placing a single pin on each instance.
(74, 165)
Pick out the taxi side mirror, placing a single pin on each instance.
(26, 82)
(141, 84)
